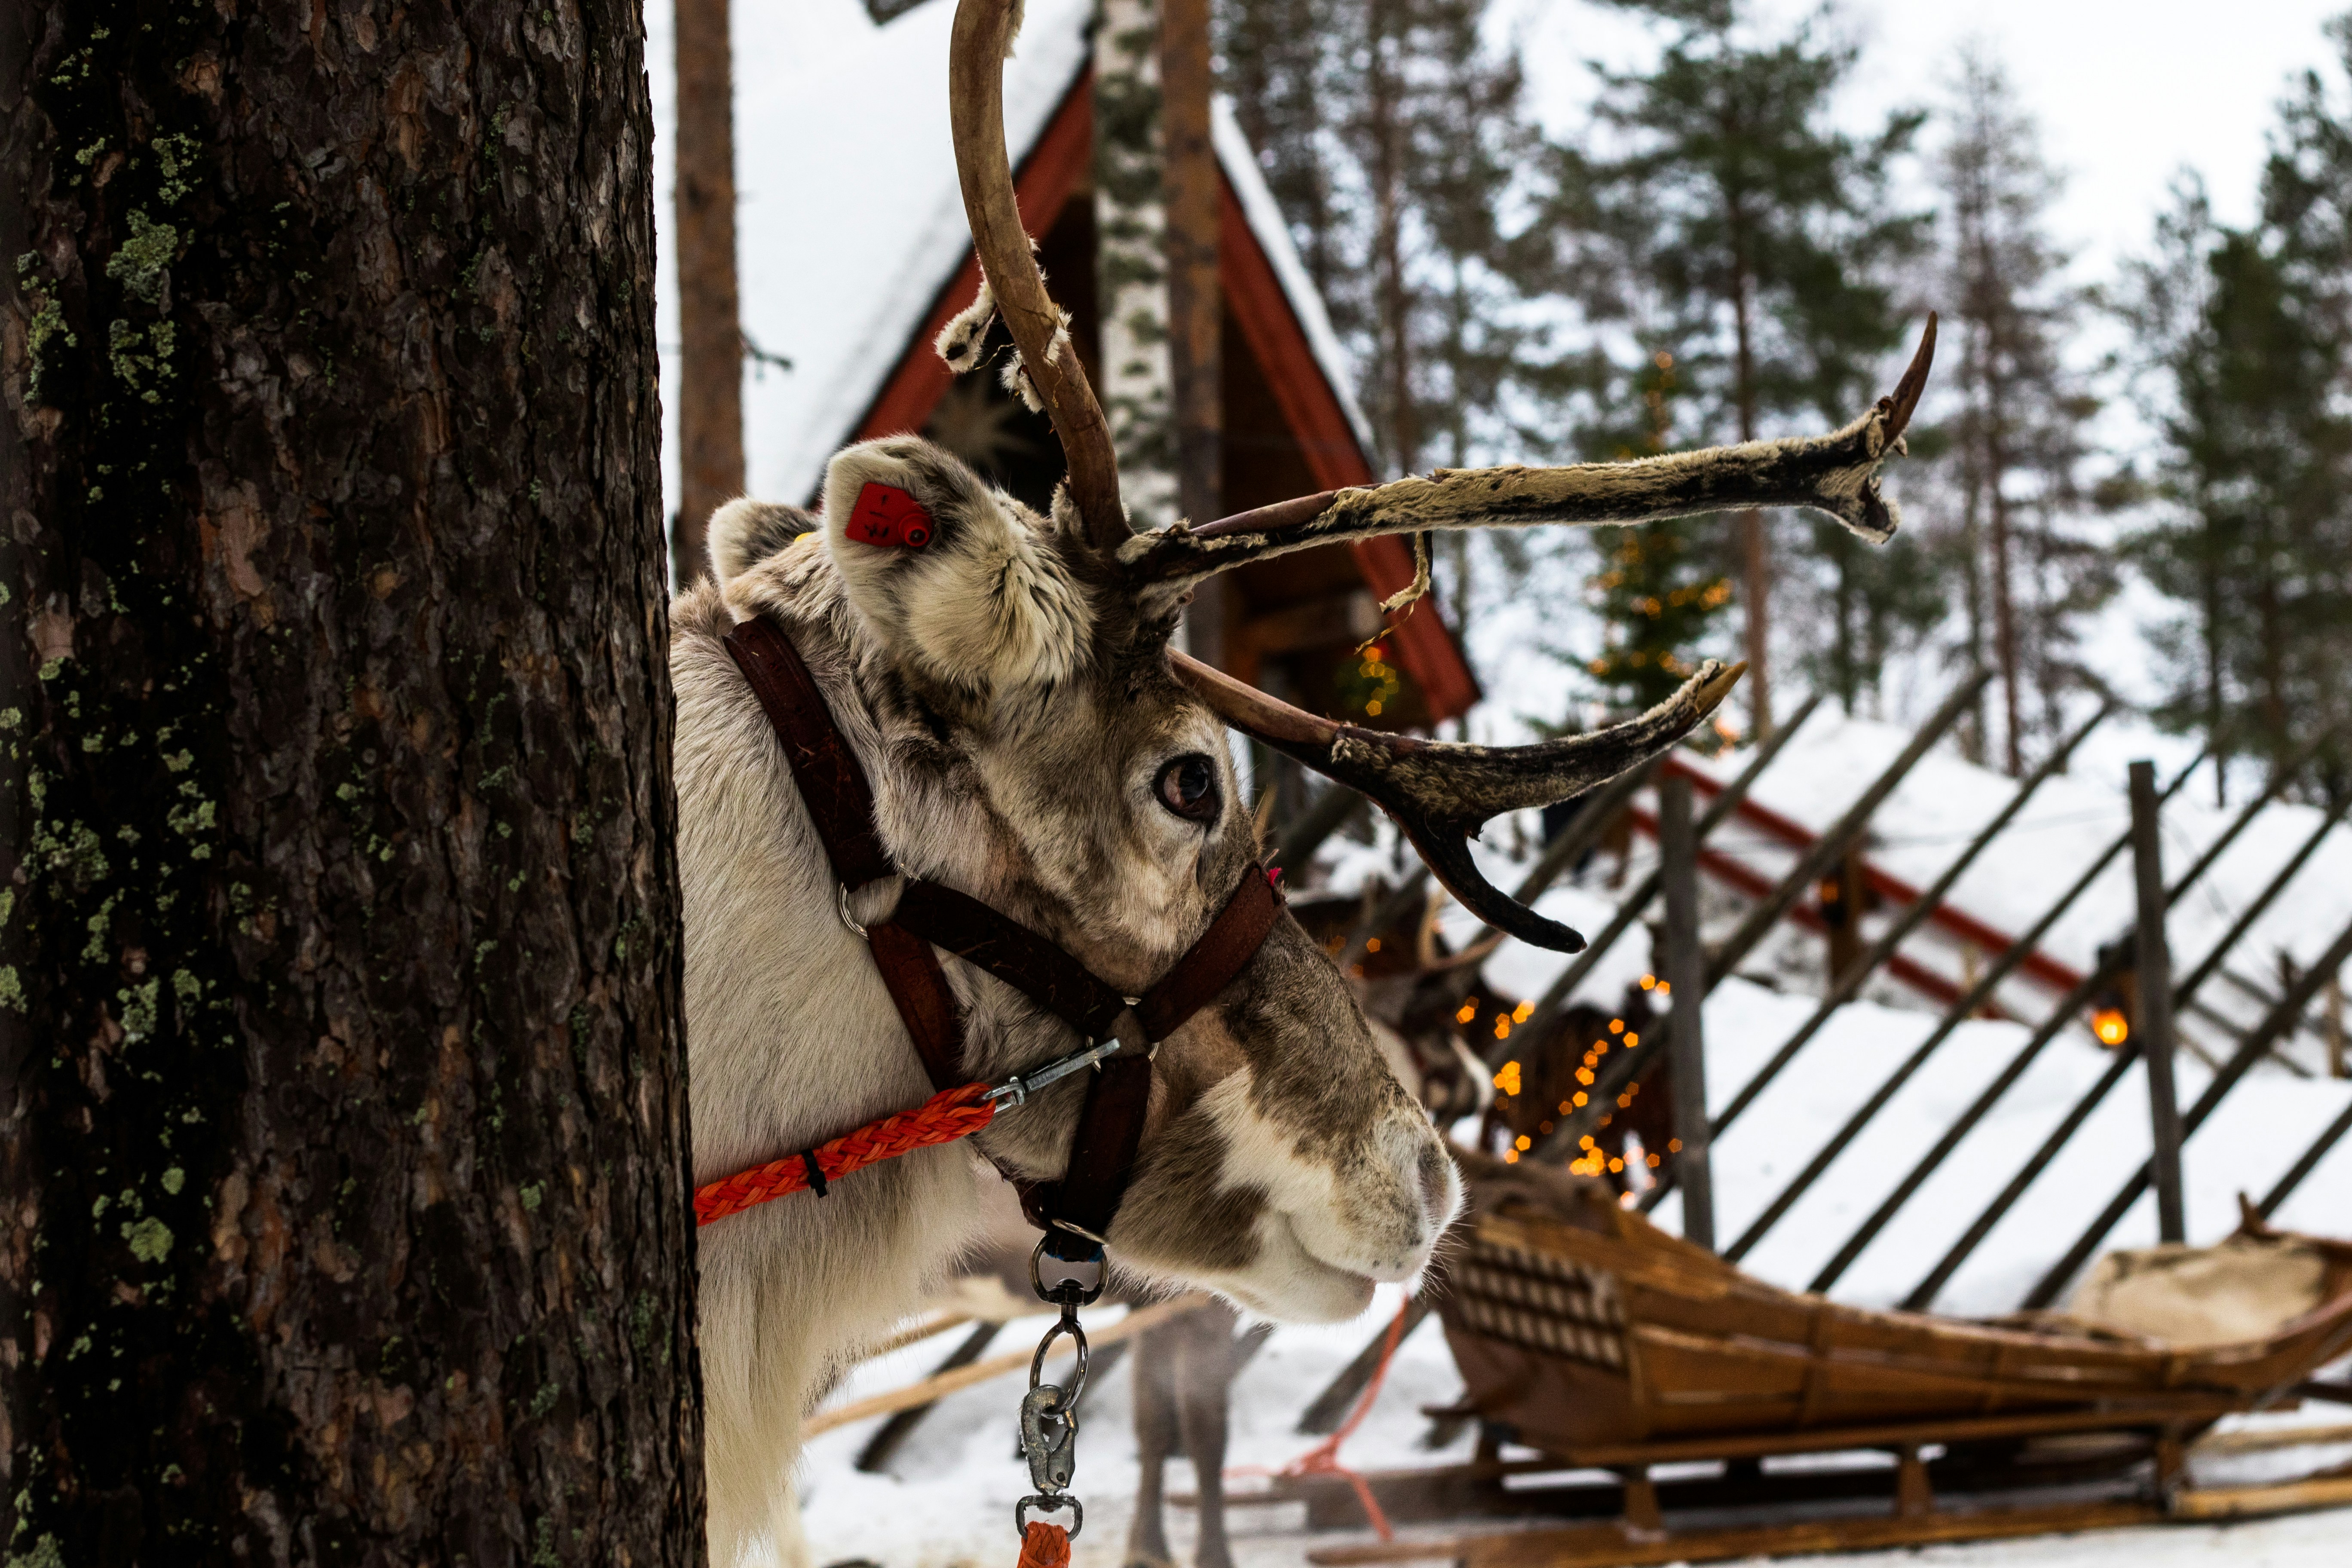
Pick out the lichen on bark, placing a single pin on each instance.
(335, 829)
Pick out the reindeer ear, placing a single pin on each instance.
(960, 580)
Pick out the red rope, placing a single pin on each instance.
(1323, 1460)
(950, 1114)
(1044, 1546)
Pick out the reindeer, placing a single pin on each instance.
(1032, 742)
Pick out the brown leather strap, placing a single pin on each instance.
(840, 804)
(1102, 1155)
(910, 972)
(1014, 953)
(833, 786)
(1224, 950)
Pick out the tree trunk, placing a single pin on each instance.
(1755, 544)
(340, 1027)
(1195, 308)
(1130, 259)
(711, 326)
(1388, 178)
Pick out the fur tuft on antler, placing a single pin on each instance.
(1441, 793)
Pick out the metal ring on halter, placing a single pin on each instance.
(1048, 1502)
(844, 910)
(1084, 1297)
(1068, 1324)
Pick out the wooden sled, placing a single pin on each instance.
(1588, 1334)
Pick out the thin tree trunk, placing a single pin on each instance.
(2212, 629)
(340, 1049)
(710, 327)
(1387, 179)
(1195, 308)
(1755, 544)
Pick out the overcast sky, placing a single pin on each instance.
(2126, 93)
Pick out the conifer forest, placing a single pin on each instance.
(1720, 251)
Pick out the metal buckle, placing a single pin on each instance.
(842, 909)
(1048, 1502)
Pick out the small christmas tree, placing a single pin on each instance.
(1657, 594)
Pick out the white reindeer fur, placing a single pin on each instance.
(794, 1038)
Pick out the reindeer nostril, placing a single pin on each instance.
(1437, 1188)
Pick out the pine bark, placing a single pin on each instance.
(342, 1086)
(1192, 187)
(710, 315)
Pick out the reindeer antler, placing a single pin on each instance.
(1441, 793)
(976, 53)
(1837, 473)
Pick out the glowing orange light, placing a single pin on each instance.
(1579, 1096)
(1565, 1107)
(1507, 1081)
(1653, 1162)
(1616, 1166)
(1664, 989)
(1649, 983)
(1502, 1029)
(1616, 1025)
(1585, 1142)
(1371, 944)
(1584, 1076)
(1510, 1156)
(1523, 1011)
(1372, 708)
(1632, 1039)
(1468, 1011)
(2110, 1025)
(1674, 1145)
(1524, 1143)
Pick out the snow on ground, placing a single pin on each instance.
(950, 1497)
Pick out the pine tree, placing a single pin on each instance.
(2252, 541)
(2016, 415)
(1754, 239)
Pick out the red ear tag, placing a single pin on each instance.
(887, 517)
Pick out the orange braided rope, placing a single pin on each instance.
(950, 1114)
(1044, 1546)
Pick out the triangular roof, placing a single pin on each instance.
(837, 116)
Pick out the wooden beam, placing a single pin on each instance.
(932, 1389)
(1609, 1546)
(2153, 1025)
(1686, 982)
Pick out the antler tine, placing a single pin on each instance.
(976, 51)
(1440, 793)
(1836, 473)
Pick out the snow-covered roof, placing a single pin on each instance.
(849, 220)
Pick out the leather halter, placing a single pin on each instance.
(840, 803)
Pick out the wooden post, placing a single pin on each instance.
(2154, 1023)
(1840, 895)
(2335, 1023)
(1686, 976)
(710, 329)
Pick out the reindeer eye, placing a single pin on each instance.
(1187, 786)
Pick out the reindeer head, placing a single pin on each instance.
(1034, 742)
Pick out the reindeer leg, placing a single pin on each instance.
(1156, 1436)
(1209, 1357)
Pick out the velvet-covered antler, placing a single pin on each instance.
(1441, 793)
(1837, 473)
